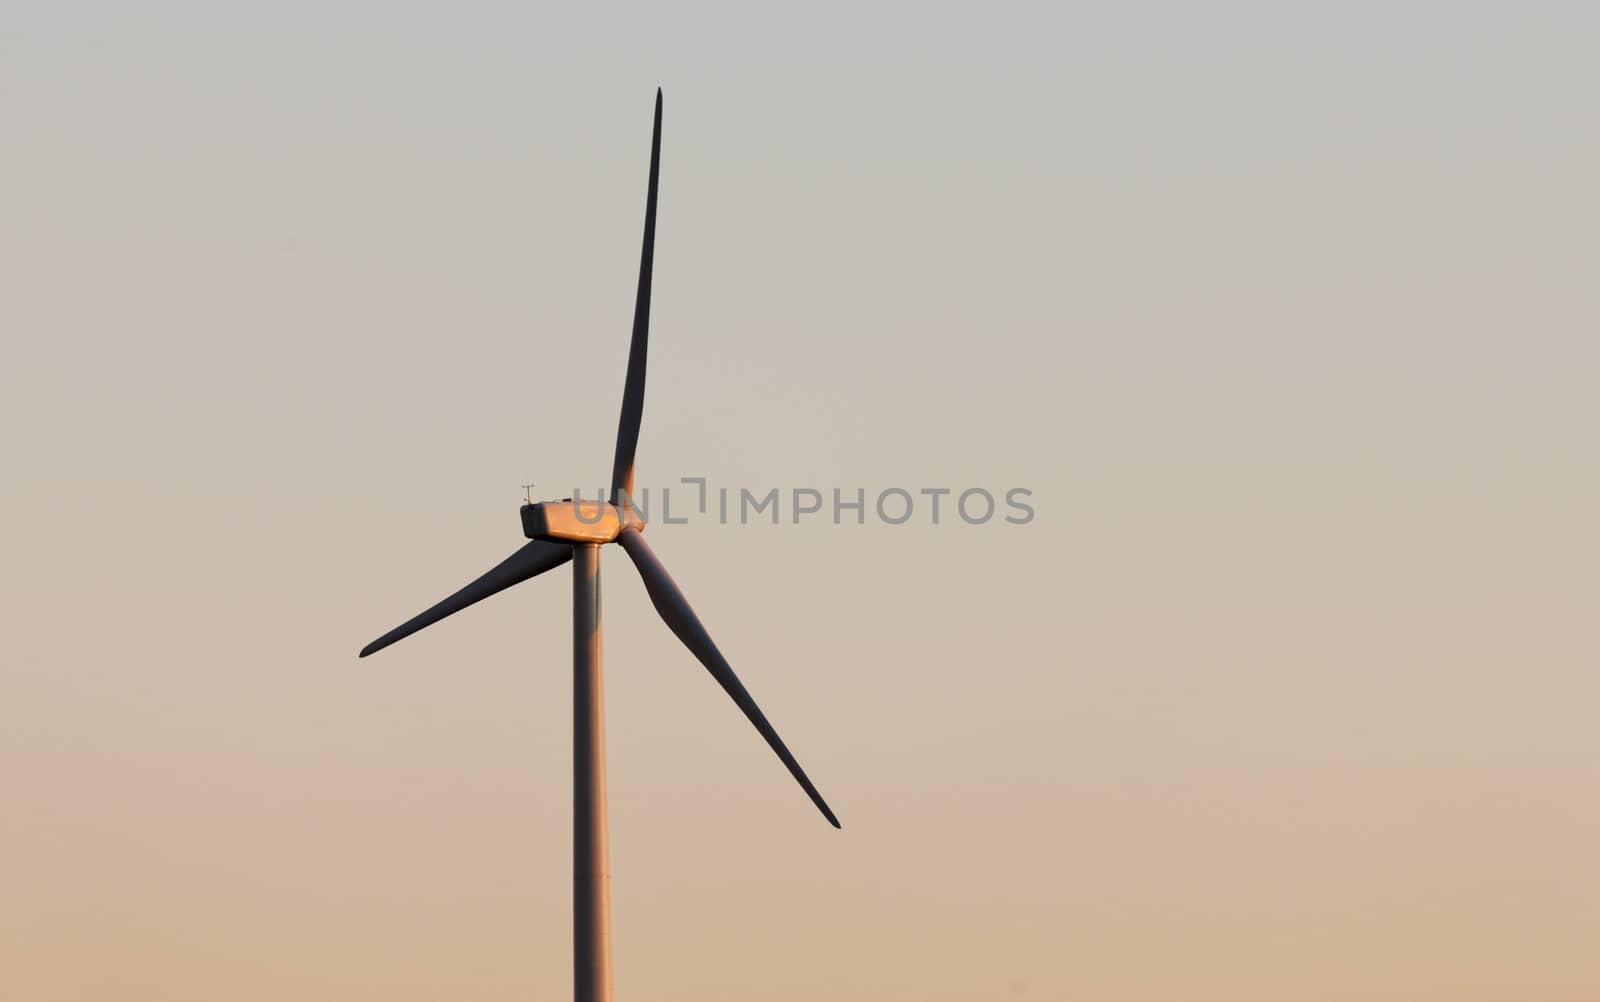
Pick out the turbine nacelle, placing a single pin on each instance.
(569, 521)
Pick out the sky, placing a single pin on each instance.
(1284, 316)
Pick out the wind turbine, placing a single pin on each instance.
(575, 530)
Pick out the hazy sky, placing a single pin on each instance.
(1286, 315)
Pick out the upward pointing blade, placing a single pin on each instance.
(680, 618)
(633, 389)
(532, 559)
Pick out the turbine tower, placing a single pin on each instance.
(575, 530)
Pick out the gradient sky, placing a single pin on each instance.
(1286, 314)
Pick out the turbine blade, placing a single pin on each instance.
(633, 388)
(532, 559)
(680, 618)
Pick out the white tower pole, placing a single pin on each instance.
(591, 870)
